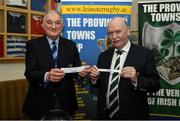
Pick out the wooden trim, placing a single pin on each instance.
(12, 60)
(12, 95)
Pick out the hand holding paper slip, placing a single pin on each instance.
(73, 69)
(109, 70)
(80, 68)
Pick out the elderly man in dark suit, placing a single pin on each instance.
(49, 87)
(122, 91)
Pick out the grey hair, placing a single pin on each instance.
(124, 20)
(53, 11)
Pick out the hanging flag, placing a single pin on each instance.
(159, 30)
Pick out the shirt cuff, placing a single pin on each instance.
(93, 81)
(134, 83)
(46, 79)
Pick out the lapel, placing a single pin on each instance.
(109, 58)
(62, 52)
(107, 62)
(46, 51)
(130, 57)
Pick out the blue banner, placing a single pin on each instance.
(86, 24)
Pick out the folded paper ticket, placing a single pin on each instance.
(73, 69)
(79, 69)
(109, 70)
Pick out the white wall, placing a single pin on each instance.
(134, 21)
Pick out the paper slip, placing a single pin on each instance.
(73, 69)
(108, 70)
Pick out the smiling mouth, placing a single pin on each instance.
(53, 30)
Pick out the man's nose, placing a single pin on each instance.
(114, 34)
(54, 25)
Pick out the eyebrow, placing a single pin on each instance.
(53, 20)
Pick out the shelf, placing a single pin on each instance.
(17, 34)
(19, 10)
(37, 12)
(2, 33)
(2, 7)
(36, 35)
(11, 30)
(12, 60)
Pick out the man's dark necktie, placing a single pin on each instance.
(113, 91)
(54, 52)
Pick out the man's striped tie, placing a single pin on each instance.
(113, 91)
(54, 52)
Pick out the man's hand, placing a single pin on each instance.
(129, 72)
(94, 73)
(86, 71)
(56, 75)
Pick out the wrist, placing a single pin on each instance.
(48, 76)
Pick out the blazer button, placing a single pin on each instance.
(105, 108)
(54, 95)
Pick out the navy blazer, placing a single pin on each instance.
(39, 60)
(133, 101)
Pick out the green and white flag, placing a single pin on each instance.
(159, 30)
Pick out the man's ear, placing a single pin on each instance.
(42, 25)
(62, 26)
(129, 31)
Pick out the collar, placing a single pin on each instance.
(126, 47)
(50, 40)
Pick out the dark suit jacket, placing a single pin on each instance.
(39, 60)
(133, 101)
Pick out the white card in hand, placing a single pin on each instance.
(109, 70)
(73, 69)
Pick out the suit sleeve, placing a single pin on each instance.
(99, 64)
(31, 71)
(77, 61)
